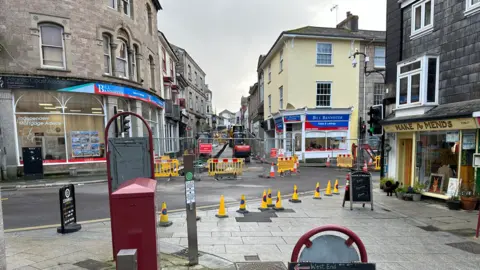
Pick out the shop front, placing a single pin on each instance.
(314, 133)
(67, 118)
(435, 155)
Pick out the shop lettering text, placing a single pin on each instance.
(425, 125)
(36, 121)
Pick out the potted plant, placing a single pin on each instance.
(417, 191)
(454, 203)
(469, 200)
(384, 180)
(400, 192)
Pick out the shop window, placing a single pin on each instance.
(437, 159)
(122, 59)
(52, 45)
(417, 82)
(68, 127)
(323, 141)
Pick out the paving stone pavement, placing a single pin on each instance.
(392, 238)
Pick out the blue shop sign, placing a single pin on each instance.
(279, 124)
(327, 117)
(292, 118)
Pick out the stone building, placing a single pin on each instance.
(65, 67)
(433, 82)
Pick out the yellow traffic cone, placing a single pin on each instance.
(278, 204)
(222, 213)
(164, 216)
(328, 192)
(269, 198)
(243, 206)
(264, 205)
(317, 192)
(335, 188)
(294, 198)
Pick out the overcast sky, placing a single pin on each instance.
(226, 37)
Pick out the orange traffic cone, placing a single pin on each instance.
(328, 161)
(328, 191)
(295, 167)
(272, 171)
(317, 192)
(365, 168)
(294, 198)
(335, 188)
(370, 162)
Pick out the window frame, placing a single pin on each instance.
(270, 103)
(281, 61)
(151, 65)
(115, 4)
(127, 62)
(280, 93)
(471, 8)
(317, 94)
(376, 87)
(269, 73)
(317, 53)
(129, 8)
(164, 60)
(172, 70)
(107, 38)
(375, 57)
(423, 72)
(134, 64)
(189, 72)
(423, 29)
(63, 46)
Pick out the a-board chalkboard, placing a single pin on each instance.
(360, 189)
(68, 211)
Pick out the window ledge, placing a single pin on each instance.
(472, 10)
(324, 65)
(412, 106)
(421, 33)
(54, 69)
(122, 79)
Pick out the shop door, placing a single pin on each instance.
(407, 173)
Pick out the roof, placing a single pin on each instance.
(157, 4)
(445, 111)
(226, 111)
(168, 43)
(325, 32)
(189, 56)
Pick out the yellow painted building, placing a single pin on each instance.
(311, 89)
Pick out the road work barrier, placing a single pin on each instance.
(285, 164)
(225, 167)
(377, 163)
(344, 161)
(166, 168)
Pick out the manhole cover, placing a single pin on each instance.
(429, 228)
(91, 264)
(260, 266)
(251, 258)
(462, 232)
(470, 247)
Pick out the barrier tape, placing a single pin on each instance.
(167, 168)
(219, 166)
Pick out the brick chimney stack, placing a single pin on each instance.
(350, 23)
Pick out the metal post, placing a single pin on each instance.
(116, 122)
(191, 209)
(127, 259)
(382, 146)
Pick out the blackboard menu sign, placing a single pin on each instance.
(360, 189)
(68, 214)
(335, 266)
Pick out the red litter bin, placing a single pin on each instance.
(134, 222)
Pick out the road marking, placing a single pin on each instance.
(300, 194)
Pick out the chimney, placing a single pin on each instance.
(350, 23)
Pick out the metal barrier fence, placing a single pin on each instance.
(225, 167)
(167, 167)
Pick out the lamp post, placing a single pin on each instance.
(367, 73)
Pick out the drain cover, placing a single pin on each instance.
(429, 228)
(183, 253)
(90, 264)
(251, 258)
(260, 266)
(470, 247)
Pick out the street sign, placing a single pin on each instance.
(68, 211)
(191, 210)
(205, 148)
(190, 191)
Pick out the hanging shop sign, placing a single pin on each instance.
(292, 118)
(279, 124)
(326, 122)
(77, 86)
(452, 124)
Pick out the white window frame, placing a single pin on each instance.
(127, 67)
(280, 92)
(316, 93)
(129, 7)
(109, 55)
(375, 56)
(134, 65)
(281, 61)
(471, 8)
(114, 2)
(317, 53)
(41, 46)
(377, 87)
(269, 73)
(423, 71)
(423, 29)
(270, 104)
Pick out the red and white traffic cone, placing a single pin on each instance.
(294, 167)
(328, 161)
(370, 162)
(272, 171)
(365, 168)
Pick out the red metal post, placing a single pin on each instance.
(109, 175)
(352, 238)
(478, 224)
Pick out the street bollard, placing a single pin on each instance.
(127, 259)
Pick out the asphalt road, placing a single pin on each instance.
(38, 207)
